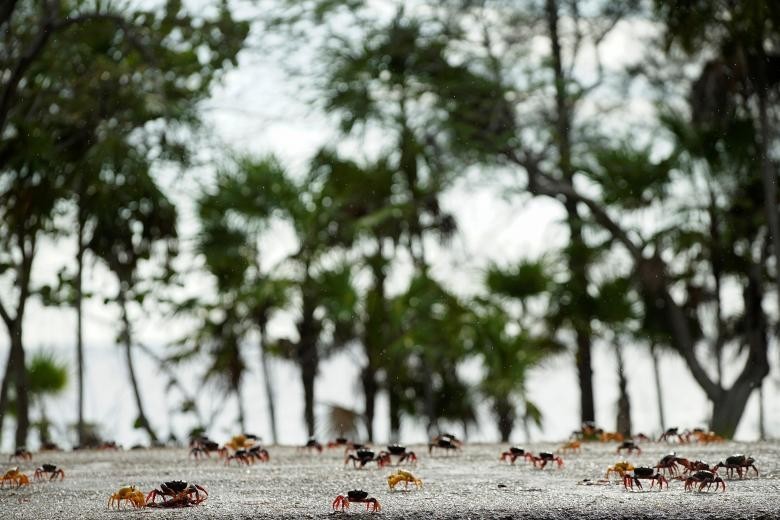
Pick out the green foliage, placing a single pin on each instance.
(627, 176)
(46, 375)
(524, 280)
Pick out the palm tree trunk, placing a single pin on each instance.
(22, 395)
(4, 386)
(505, 415)
(658, 391)
(269, 387)
(624, 403)
(761, 416)
(308, 375)
(577, 260)
(142, 421)
(241, 410)
(394, 402)
(79, 326)
(370, 388)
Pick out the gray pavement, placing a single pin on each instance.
(472, 484)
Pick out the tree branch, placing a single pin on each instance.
(49, 26)
(651, 271)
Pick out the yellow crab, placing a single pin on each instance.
(621, 468)
(12, 476)
(241, 442)
(403, 476)
(129, 493)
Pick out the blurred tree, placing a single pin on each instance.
(82, 78)
(422, 367)
(250, 195)
(133, 219)
(508, 351)
(47, 377)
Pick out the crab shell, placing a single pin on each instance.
(644, 472)
(365, 454)
(357, 494)
(177, 486)
(396, 449)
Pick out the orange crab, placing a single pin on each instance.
(620, 468)
(14, 476)
(129, 494)
(573, 446)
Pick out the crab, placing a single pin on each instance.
(402, 453)
(738, 463)
(573, 446)
(311, 445)
(642, 473)
(630, 447)
(337, 442)
(541, 460)
(259, 453)
(670, 463)
(129, 494)
(241, 456)
(705, 437)
(691, 466)
(641, 437)
(403, 476)
(241, 442)
(514, 453)
(109, 446)
(357, 496)
(673, 433)
(446, 442)
(611, 436)
(205, 447)
(620, 468)
(180, 493)
(51, 469)
(363, 457)
(704, 478)
(14, 476)
(20, 453)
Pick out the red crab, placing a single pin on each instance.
(541, 460)
(640, 474)
(357, 496)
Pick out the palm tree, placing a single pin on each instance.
(46, 377)
(132, 221)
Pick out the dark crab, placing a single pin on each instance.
(739, 463)
(240, 456)
(630, 447)
(357, 496)
(50, 469)
(205, 447)
(514, 453)
(402, 453)
(177, 493)
(446, 442)
(311, 445)
(259, 453)
(544, 457)
(363, 457)
(669, 463)
(640, 474)
(704, 478)
(20, 453)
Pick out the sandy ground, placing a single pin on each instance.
(472, 484)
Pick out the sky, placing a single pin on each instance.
(260, 109)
